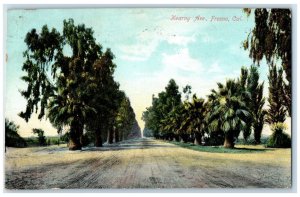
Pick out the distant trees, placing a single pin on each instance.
(12, 138)
(162, 106)
(75, 87)
(41, 137)
(125, 119)
(147, 132)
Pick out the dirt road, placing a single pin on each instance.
(144, 163)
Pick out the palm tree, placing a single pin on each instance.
(229, 113)
(63, 112)
(194, 118)
(172, 123)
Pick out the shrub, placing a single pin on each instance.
(41, 137)
(86, 139)
(279, 139)
(12, 138)
(214, 139)
(65, 137)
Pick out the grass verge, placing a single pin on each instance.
(220, 149)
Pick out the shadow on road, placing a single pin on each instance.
(142, 143)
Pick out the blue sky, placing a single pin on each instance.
(150, 49)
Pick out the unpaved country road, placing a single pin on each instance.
(144, 163)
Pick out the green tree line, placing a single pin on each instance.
(238, 104)
(75, 89)
(234, 107)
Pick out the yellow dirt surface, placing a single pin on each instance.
(145, 163)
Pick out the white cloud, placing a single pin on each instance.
(209, 39)
(182, 61)
(133, 58)
(180, 40)
(149, 38)
(138, 52)
(215, 68)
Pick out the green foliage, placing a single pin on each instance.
(227, 111)
(252, 95)
(51, 140)
(12, 138)
(135, 131)
(87, 139)
(105, 97)
(245, 96)
(125, 119)
(256, 103)
(147, 132)
(81, 84)
(279, 139)
(172, 123)
(193, 121)
(276, 111)
(187, 90)
(65, 137)
(271, 38)
(156, 116)
(41, 137)
(215, 138)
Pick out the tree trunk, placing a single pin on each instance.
(123, 137)
(176, 138)
(110, 136)
(75, 137)
(117, 139)
(257, 134)
(98, 140)
(184, 138)
(197, 140)
(171, 137)
(229, 141)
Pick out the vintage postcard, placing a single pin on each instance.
(148, 98)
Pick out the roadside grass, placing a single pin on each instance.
(50, 140)
(220, 149)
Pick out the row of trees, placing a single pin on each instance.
(238, 104)
(218, 119)
(235, 106)
(70, 81)
(271, 39)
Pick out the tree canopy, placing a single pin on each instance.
(71, 86)
(271, 38)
